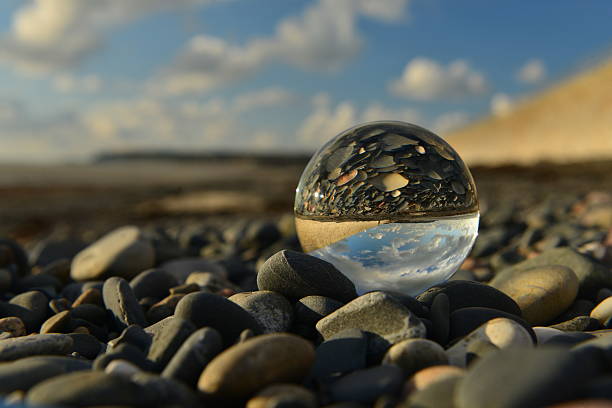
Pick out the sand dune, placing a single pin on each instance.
(570, 122)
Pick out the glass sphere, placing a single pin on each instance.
(390, 204)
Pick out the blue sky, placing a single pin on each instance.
(82, 76)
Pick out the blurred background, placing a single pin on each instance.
(117, 111)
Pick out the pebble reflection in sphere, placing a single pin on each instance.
(390, 204)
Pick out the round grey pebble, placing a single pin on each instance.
(272, 311)
(35, 308)
(365, 386)
(210, 310)
(155, 283)
(168, 340)
(297, 275)
(412, 355)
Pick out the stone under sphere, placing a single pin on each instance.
(390, 204)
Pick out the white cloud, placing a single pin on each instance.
(48, 35)
(323, 38)
(501, 104)
(268, 97)
(425, 79)
(532, 71)
(326, 121)
(67, 83)
(447, 122)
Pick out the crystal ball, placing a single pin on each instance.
(390, 204)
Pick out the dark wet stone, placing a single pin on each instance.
(184, 289)
(465, 320)
(135, 336)
(271, 310)
(210, 310)
(53, 250)
(412, 355)
(569, 339)
(579, 323)
(100, 332)
(16, 256)
(58, 323)
(164, 308)
(591, 275)
(168, 340)
(463, 294)
(365, 386)
(599, 388)
(547, 375)
(296, 275)
(341, 354)
(120, 301)
(165, 392)
(85, 345)
(59, 305)
(25, 373)
(247, 367)
(126, 352)
(436, 395)
(310, 309)
(378, 313)
(39, 281)
(84, 389)
(440, 318)
(283, 395)
(92, 313)
(154, 283)
(193, 355)
(38, 344)
(581, 307)
(35, 305)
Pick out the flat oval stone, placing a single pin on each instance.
(123, 252)
(603, 311)
(365, 386)
(210, 310)
(36, 344)
(25, 373)
(296, 275)
(462, 294)
(542, 293)
(256, 363)
(155, 283)
(85, 345)
(591, 275)
(272, 311)
(82, 389)
(378, 313)
(122, 304)
(283, 395)
(499, 332)
(525, 377)
(412, 355)
(192, 357)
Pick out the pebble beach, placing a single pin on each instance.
(153, 299)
